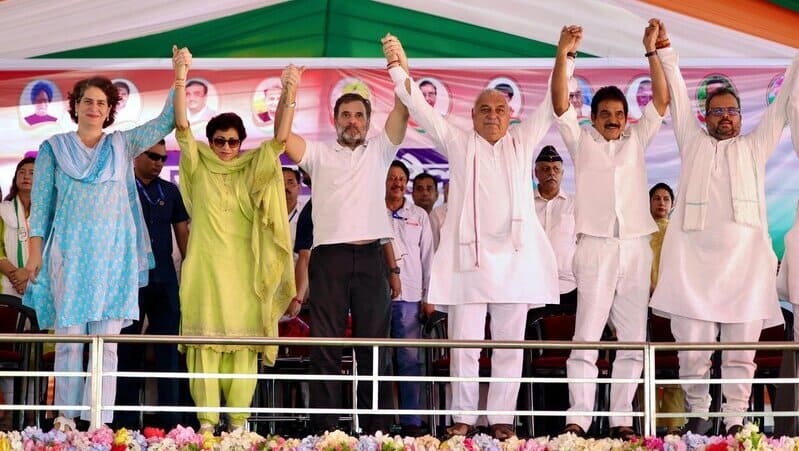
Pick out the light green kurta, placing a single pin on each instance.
(237, 278)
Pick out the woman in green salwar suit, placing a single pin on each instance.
(237, 279)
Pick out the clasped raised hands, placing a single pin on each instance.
(570, 38)
(181, 61)
(393, 51)
(290, 78)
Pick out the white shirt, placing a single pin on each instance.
(437, 217)
(503, 273)
(610, 176)
(413, 250)
(725, 273)
(204, 115)
(557, 218)
(349, 189)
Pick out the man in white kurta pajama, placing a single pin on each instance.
(717, 268)
(494, 256)
(613, 259)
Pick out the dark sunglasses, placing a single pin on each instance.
(232, 142)
(155, 156)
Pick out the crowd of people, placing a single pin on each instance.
(369, 259)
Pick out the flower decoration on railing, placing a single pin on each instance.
(186, 439)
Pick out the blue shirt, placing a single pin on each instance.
(162, 206)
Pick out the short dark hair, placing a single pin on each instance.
(425, 175)
(506, 88)
(306, 178)
(719, 92)
(352, 97)
(41, 86)
(102, 83)
(401, 165)
(161, 141)
(14, 187)
(121, 84)
(225, 121)
(296, 173)
(195, 81)
(428, 83)
(607, 93)
(664, 186)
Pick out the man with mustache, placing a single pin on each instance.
(717, 268)
(613, 258)
(351, 271)
(493, 256)
(555, 210)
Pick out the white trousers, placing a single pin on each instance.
(734, 364)
(613, 278)
(69, 357)
(466, 322)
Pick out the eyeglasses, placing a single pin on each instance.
(731, 111)
(155, 156)
(219, 141)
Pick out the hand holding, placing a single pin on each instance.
(181, 62)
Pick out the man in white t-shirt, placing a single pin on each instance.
(352, 267)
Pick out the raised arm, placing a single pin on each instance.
(397, 120)
(769, 131)
(181, 61)
(146, 135)
(686, 127)
(568, 44)
(295, 144)
(793, 115)
(567, 122)
(660, 88)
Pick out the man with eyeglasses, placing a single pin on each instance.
(718, 269)
(413, 251)
(164, 213)
(352, 267)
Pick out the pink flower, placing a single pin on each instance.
(102, 436)
(185, 436)
(653, 443)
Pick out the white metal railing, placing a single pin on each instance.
(648, 379)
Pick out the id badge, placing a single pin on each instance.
(22, 234)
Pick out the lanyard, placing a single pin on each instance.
(161, 198)
(293, 214)
(22, 235)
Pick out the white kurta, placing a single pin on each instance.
(557, 218)
(502, 273)
(725, 273)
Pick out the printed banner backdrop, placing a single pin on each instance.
(33, 105)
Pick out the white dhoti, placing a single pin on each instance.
(735, 364)
(466, 322)
(612, 284)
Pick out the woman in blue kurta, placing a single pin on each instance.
(89, 248)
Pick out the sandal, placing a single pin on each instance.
(502, 432)
(573, 428)
(622, 433)
(460, 429)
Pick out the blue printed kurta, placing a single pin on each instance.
(96, 249)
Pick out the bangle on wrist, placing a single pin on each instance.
(572, 55)
(650, 53)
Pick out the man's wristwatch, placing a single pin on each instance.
(394, 270)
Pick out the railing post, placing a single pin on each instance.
(650, 395)
(96, 382)
(375, 368)
(355, 423)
